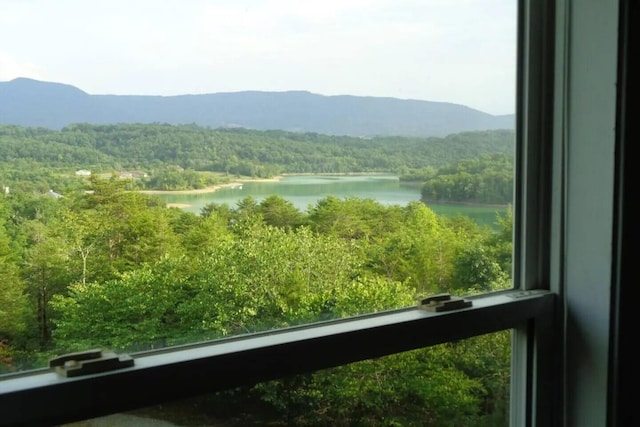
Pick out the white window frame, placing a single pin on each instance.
(563, 261)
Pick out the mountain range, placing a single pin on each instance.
(34, 103)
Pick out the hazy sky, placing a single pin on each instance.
(460, 51)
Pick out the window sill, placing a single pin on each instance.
(42, 397)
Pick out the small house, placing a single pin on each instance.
(53, 194)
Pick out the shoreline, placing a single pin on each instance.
(213, 188)
(482, 205)
(239, 182)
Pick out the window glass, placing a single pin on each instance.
(462, 383)
(176, 172)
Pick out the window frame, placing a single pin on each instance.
(42, 397)
(566, 132)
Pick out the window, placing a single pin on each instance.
(99, 251)
(563, 262)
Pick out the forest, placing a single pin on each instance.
(487, 179)
(185, 157)
(107, 267)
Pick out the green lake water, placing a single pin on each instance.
(305, 191)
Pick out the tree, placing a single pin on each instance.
(246, 207)
(205, 232)
(122, 229)
(82, 231)
(279, 212)
(421, 251)
(13, 299)
(47, 272)
(133, 311)
(351, 218)
(476, 269)
(262, 277)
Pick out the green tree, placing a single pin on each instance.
(280, 212)
(134, 311)
(46, 273)
(352, 217)
(82, 231)
(477, 270)
(422, 251)
(125, 229)
(13, 299)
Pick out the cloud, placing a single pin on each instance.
(438, 50)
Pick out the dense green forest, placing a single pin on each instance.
(175, 157)
(117, 269)
(487, 179)
(112, 268)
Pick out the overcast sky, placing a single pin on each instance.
(460, 51)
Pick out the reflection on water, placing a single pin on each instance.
(305, 191)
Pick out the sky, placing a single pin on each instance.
(458, 51)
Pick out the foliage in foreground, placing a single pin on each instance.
(118, 270)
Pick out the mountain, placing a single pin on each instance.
(34, 103)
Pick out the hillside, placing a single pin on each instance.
(236, 151)
(27, 102)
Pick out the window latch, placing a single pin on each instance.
(443, 302)
(89, 362)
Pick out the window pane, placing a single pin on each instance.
(462, 383)
(362, 155)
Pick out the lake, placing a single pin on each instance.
(304, 191)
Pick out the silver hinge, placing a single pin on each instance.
(443, 302)
(89, 362)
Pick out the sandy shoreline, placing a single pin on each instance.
(239, 182)
(210, 189)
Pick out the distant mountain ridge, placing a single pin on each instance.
(33, 103)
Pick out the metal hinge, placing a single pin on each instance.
(89, 362)
(443, 302)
